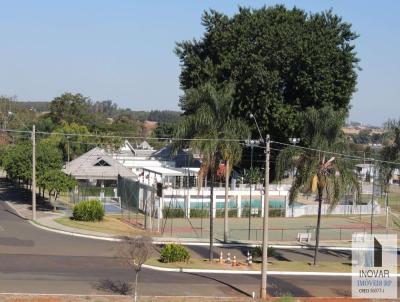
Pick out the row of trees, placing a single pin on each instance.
(16, 160)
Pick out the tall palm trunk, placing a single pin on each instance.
(318, 225)
(211, 251)
(226, 216)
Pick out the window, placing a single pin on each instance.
(102, 163)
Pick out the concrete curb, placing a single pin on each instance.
(280, 246)
(15, 210)
(40, 226)
(157, 241)
(249, 272)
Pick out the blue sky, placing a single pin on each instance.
(123, 50)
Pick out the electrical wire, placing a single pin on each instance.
(242, 141)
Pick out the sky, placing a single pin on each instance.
(124, 50)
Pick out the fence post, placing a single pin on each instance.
(340, 234)
(282, 235)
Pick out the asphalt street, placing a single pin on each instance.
(38, 261)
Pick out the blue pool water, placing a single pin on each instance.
(255, 203)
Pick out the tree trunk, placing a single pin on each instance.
(136, 283)
(226, 216)
(211, 251)
(318, 226)
(54, 202)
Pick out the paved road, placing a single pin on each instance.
(38, 261)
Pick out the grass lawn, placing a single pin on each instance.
(196, 263)
(109, 225)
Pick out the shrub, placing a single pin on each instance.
(199, 213)
(276, 212)
(174, 253)
(221, 213)
(90, 210)
(173, 213)
(257, 252)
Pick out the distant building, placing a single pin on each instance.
(365, 171)
(141, 156)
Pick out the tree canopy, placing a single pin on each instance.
(280, 61)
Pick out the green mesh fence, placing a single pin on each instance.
(128, 190)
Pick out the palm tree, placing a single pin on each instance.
(215, 134)
(329, 177)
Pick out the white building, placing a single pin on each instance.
(140, 156)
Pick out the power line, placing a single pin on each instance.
(336, 153)
(203, 139)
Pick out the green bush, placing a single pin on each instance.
(174, 253)
(257, 252)
(173, 213)
(276, 212)
(95, 191)
(221, 213)
(90, 210)
(199, 213)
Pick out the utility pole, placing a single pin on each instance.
(33, 173)
(387, 209)
(373, 197)
(263, 293)
(251, 183)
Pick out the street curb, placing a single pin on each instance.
(41, 226)
(15, 210)
(217, 244)
(283, 246)
(49, 229)
(248, 272)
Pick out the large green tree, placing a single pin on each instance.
(323, 173)
(72, 139)
(212, 131)
(76, 108)
(280, 60)
(55, 181)
(390, 153)
(17, 160)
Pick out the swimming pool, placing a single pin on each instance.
(232, 204)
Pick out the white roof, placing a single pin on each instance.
(145, 145)
(164, 171)
(96, 164)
